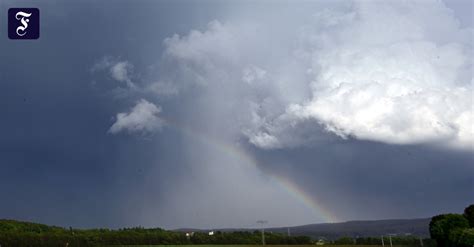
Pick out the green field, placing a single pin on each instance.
(210, 245)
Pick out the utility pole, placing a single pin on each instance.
(289, 232)
(383, 244)
(263, 222)
(421, 242)
(390, 237)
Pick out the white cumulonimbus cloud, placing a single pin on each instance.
(394, 72)
(143, 118)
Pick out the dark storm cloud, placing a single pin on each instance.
(368, 180)
(60, 164)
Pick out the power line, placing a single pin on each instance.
(262, 222)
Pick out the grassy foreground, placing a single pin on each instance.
(210, 245)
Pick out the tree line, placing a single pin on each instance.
(454, 230)
(446, 230)
(396, 240)
(18, 234)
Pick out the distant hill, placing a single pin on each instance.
(417, 227)
(369, 228)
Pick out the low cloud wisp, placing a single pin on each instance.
(142, 119)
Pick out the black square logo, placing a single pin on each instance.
(23, 23)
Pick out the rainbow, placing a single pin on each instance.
(299, 194)
(237, 153)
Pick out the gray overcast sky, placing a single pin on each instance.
(211, 114)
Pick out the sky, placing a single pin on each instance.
(214, 114)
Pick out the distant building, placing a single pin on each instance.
(321, 241)
(211, 233)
